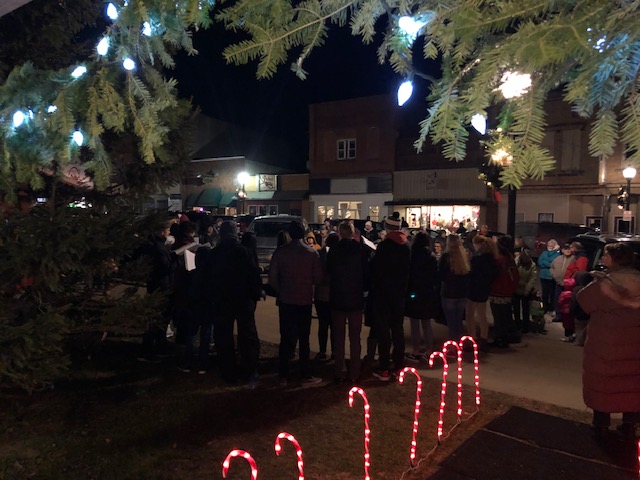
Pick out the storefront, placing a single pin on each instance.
(442, 217)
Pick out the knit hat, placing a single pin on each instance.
(392, 222)
(228, 230)
(296, 230)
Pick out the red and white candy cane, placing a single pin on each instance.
(295, 443)
(367, 431)
(443, 388)
(476, 370)
(240, 453)
(445, 349)
(416, 412)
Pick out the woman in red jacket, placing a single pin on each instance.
(502, 290)
(578, 264)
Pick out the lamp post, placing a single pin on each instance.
(629, 173)
(243, 178)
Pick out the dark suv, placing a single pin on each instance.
(594, 246)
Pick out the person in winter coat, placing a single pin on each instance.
(484, 269)
(347, 266)
(310, 240)
(558, 269)
(422, 297)
(526, 291)
(321, 302)
(547, 284)
(389, 279)
(580, 261)
(502, 290)
(611, 373)
(454, 271)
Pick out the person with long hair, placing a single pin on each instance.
(422, 297)
(484, 268)
(454, 276)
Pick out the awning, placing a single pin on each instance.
(209, 197)
(190, 201)
(226, 199)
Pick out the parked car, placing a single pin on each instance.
(594, 246)
(266, 229)
(536, 235)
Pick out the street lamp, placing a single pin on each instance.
(629, 173)
(243, 179)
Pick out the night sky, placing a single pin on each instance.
(342, 68)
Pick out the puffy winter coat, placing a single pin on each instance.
(611, 363)
(347, 266)
(545, 260)
(422, 293)
(294, 270)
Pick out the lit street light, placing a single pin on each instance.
(243, 179)
(629, 173)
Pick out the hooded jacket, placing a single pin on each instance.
(611, 362)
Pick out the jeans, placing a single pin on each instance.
(389, 328)
(503, 320)
(205, 336)
(416, 337)
(548, 290)
(339, 325)
(324, 325)
(295, 327)
(248, 342)
(454, 313)
(476, 314)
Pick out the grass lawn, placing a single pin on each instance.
(117, 418)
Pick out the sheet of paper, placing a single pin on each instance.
(189, 260)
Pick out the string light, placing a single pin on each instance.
(128, 64)
(514, 84)
(240, 453)
(295, 443)
(79, 71)
(479, 122)
(112, 11)
(103, 46)
(416, 410)
(443, 388)
(410, 26)
(146, 29)
(476, 368)
(18, 119)
(367, 431)
(52, 109)
(405, 90)
(78, 137)
(445, 348)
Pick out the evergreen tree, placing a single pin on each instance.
(589, 49)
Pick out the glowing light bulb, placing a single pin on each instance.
(79, 71)
(479, 122)
(112, 11)
(128, 64)
(146, 29)
(18, 118)
(103, 46)
(410, 26)
(514, 84)
(78, 137)
(52, 109)
(404, 92)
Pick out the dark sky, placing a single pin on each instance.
(342, 68)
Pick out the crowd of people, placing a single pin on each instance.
(352, 282)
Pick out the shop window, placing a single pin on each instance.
(263, 210)
(374, 214)
(253, 210)
(346, 149)
(325, 212)
(350, 210)
(273, 209)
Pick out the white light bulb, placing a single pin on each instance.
(515, 84)
(52, 109)
(410, 26)
(18, 118)
(128, 64)
(146, 29)
(112, 11)
(103, 46)
(479, 122)
(79, 71)
(78, 137)
(404, 92)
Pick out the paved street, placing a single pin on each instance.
(545, 369)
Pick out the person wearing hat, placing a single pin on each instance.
(294, 269)
(389, 280)
(235, 287)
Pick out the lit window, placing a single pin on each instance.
(346, 148)
(374, 214)
(350, 210)
(325, 212)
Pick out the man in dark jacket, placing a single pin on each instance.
(235, 287)
(347, 269)
(294, 269)
(389, 279)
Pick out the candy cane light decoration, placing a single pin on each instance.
(476, 371)
(443, 387)
(295, 443)
(416, 412)
(240, 453)
(367, 431)
(445, 349)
